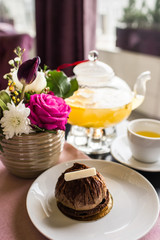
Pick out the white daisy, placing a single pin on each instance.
(15, 121)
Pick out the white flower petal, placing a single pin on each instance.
(15, 121)
(15, 79)
(37, 85)
(17, 59)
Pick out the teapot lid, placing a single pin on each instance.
(93, 72)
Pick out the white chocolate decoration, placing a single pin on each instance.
(84, 173)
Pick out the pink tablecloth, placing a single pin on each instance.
(14, 221)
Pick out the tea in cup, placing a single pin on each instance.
(144, 139)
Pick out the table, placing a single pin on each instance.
(14, 220)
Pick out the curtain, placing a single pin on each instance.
(65, 31)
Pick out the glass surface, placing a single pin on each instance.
(102, 101)
(94, 114)
(92, 140)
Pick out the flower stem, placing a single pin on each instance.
(22, 93)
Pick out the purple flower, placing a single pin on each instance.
(27, 71)
(48, 111)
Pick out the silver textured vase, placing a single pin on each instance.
(29, 155)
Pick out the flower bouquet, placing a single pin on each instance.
(33, 115)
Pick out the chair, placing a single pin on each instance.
(9, 40)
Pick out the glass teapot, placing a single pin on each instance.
(103, 99)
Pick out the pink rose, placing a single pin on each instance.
(48, 111)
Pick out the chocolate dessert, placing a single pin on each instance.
(83, 199)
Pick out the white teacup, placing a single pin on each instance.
(144, 148)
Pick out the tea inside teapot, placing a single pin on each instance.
(99, 108)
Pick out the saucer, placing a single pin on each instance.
(121, 152)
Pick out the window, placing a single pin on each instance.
(109, 13)
(21, 12)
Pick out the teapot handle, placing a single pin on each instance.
(140, 85)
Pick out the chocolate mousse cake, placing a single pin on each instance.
(85, 198)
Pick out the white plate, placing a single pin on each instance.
(120, 150)
(134, 213)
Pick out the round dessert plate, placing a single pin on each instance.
(135, 205)
(120, 150)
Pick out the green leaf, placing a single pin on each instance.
(59, 83)
(38, 129)
(28, 95)
(73, 87)
(3, 105)
(45, 68)
(4, 96)
(51, 131)
(4, 99)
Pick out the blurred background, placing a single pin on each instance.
(126, 34)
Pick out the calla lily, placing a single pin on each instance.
(36, 86)
(27, 71)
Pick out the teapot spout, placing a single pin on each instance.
(140, 89)
(140, 85)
